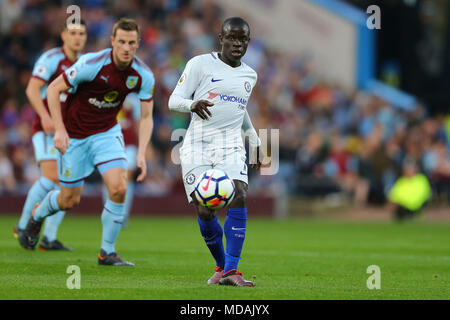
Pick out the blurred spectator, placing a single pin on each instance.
(410, 192)
(7, 180)
(10, 11)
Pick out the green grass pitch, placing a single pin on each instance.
(289, 260)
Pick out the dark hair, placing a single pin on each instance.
(127, 25)
(234, 21)
(67, 24)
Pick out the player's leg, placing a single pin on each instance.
(131, 152)
(52, 223)
(212, 233)
(110, 160)
(56, 200)
(129, 197)
(236, 218)
(46, 156)
(210, 227)
(73, 167)
(113, 214)
(234, 228)
(38, 191)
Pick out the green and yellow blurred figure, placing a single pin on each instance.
(410, 192)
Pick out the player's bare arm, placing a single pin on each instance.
(145, 133)
(61, 139)
(33, 92)
(200, 107)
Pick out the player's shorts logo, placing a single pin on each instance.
(67, 173)
(190, 179)
(131, 82)
(247, 86)
(111, 96)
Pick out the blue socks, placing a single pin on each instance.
(113, 216)
(234, 228)
(37, 192)
(212, 233)
(52, 224)
(128, 199)
(48, 206)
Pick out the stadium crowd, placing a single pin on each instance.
(331, 140)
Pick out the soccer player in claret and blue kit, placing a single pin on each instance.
(215, 89)
(88, 136)
(47, 68)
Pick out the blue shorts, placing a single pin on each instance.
(43, 147)
(102, 151)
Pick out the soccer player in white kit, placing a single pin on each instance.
(215, 88)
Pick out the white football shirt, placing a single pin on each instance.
(206, 77)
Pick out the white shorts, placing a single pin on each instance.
(194, 163)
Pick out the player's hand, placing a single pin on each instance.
(61, 140)
(47, 125)
(200, 107)
(258, 155)
(141, 164)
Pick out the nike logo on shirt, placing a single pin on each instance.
(215, 80)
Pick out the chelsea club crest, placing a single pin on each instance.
(131, 82)
(247, 86)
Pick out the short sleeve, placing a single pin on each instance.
(147, 87)
(189, 80)
(82, 71)
(46, 66)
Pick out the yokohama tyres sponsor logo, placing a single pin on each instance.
(225, 97)
(103, 104)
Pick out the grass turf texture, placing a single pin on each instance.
(293, 259)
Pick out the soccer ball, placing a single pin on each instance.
(215, 189)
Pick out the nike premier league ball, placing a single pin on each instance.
(215, 189)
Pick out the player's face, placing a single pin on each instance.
(74, 37)
(125, 44)
(234, 42)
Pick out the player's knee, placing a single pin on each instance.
(53, 178)
(205, 214)
(118, 191)
(51, 175)
(69, 201)
(240, 198)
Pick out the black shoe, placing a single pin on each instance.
(52, 245)
(112, 259)
(30, 236)
(17, 231)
